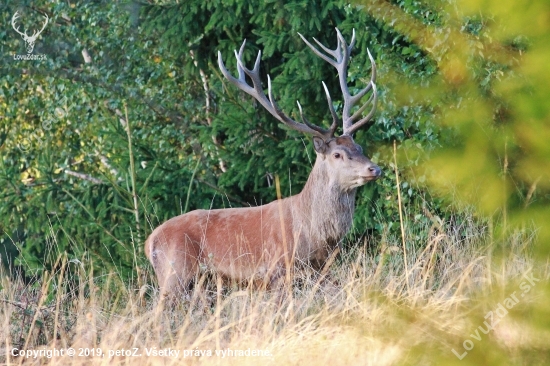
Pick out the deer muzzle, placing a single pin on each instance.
(373, 172)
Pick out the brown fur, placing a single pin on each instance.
(253, 242)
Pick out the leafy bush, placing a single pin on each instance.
(128, 122)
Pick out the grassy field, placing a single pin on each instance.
(461, 300)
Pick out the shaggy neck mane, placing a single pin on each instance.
(325, 210)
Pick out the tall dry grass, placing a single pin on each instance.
(360, 311)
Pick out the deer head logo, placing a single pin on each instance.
(29, 40)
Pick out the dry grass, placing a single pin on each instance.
(361, 312)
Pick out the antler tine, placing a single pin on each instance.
(360, 95)
(333, 53)
(342, 46)
(349, 126)
(278, 112)
(335, 119)
(367, 120)
(342, 69)
(237, 82)
(342, 56)
(13, 19)
(238, 56)
(256, 91)
(305, 127)
(45, 23)
(325, 133)
(352, 43)
(321, 55)
(36, 33)
(363, 107)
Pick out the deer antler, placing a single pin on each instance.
(36, 34)
(13, 19)
(341, 60)
(270, 104)
(341, 55)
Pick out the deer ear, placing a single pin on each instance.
(319, 144)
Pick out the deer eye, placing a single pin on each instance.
(336, 156)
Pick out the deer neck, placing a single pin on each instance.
(325, 208)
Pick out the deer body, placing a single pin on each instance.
(262, 242)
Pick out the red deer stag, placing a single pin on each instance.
(262, 242)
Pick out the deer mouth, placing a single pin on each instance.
(369, 178)
(373, 175)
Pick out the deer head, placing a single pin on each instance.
(29, 40)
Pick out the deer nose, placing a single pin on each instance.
(375, 170)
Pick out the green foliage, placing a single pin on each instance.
(66, 180)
